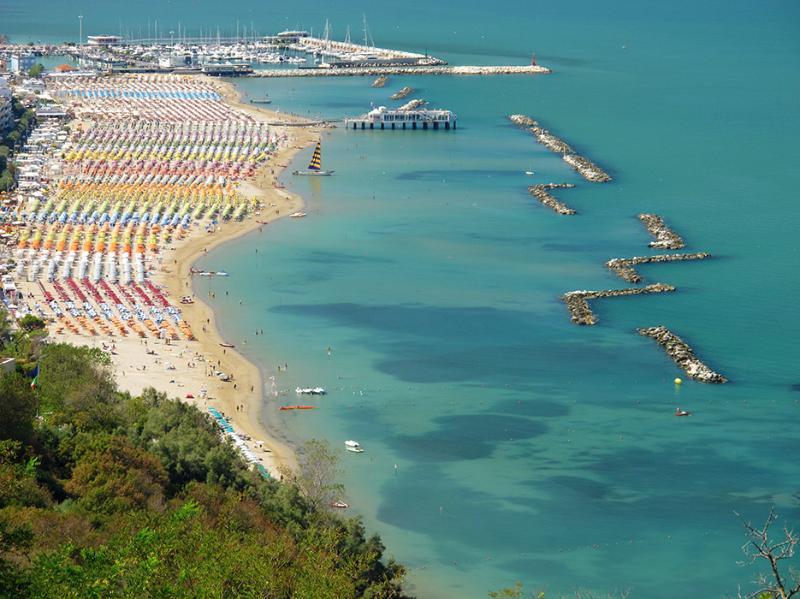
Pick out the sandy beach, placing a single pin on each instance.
(187, 369)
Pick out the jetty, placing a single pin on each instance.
(578, 301)
(585, 167)
(665, 238)
(399, 95)
(624, 267)
(380, 81)
(374, 71)
(542, 193)
(682, 354)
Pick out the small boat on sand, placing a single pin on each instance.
(353, 446)
(298, 215)
(227, 345)
(285, 408)
(310, 391)
(187, 299)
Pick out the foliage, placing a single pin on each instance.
(29, 322)
(107, 495)
(317, 474)
(36, 70)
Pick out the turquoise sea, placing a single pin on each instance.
(504, 443)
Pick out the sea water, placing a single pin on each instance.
(504, 443)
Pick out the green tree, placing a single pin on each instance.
(29, 322)
(119, 477)
(36, 70)
(18, 407)
(317, 475)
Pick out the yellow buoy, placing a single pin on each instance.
(678, 381)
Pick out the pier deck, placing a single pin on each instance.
(404, 70)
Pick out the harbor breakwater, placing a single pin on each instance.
(624, 267)
(577, 302)
(413, 104)
(380, 81)
(585, 167)
(402, 93)
(374, 71)
(542, 193)
(682, 354)
(665, 238)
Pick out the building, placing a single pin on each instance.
(22, 63)
(102, 40)
(6, 110)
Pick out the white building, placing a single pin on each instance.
(102, 40)
(6, 112)
(22, 63)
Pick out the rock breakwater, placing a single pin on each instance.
(542, 193)
(374, 71)
(585, 167)
(665, 238)
(380, 81)
(624, 267)
(682, 354)
(578, 301)
(413, 104)
(399, 95)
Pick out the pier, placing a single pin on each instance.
(624, 267)
(665, 238)
(374, 71)
(578, 301)
(682, 354)
(542, 193)
(585, 167)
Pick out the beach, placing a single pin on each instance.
(189, 369)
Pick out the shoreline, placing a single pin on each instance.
(276, 203)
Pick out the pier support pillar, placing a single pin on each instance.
(447, 125)
(424, 125)
(363, 125)
(435, 125)
(383, 126)
(393, 125)
(372, 125)
(414, 125)
(404, 126)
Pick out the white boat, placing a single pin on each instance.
(310, 391)
(315, 166)
(298, 215)
(353, 446)
(340, 504)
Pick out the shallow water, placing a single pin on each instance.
(502, 442)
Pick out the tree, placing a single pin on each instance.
(36, 70)
(18, 408)
(316, 475)
(775, 584)
(29, 322)
(118, 478)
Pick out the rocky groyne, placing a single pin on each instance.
(665, 238)
(682, 354)
(399, 95)
(585, 167)
(624, 267)
(542, 193)
(374, 71)
(413, 104)
(380, 81)
(578, 301)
